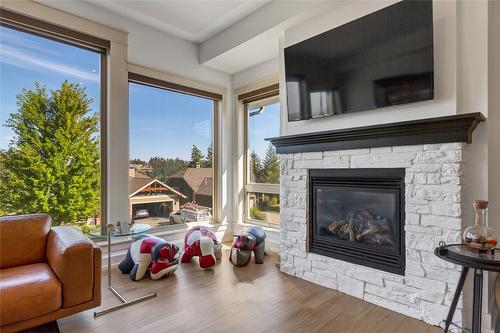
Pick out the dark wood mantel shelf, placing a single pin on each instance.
(456, 128)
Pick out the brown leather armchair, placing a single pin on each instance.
(45, 273)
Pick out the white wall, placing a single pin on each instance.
(494, 122)
(255, 73)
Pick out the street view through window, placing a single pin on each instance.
(171, 154)
(49, 129)
(263, 199)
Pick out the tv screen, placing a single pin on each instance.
(382, 59)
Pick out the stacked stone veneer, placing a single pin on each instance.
(434, 192)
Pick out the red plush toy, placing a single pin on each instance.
(202, 243)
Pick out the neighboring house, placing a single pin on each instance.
(151, 194)
(141, 168)
(195, 183)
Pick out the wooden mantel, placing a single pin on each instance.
(456, 128)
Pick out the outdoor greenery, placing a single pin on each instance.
(162, 168)
(257, 214)
(266, 171)
(196, 157)
(52, 163)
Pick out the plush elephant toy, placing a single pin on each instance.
(201, 242)
(153, 253)
(253, 239)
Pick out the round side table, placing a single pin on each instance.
(459, 254)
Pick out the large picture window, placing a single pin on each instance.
(172, 154)
(52, 111)
(261, 162)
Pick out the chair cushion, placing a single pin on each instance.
(23, 239)
(27, 292)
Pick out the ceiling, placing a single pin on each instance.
(195, 21)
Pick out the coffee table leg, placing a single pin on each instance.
(454, 302)
(477, 301)
(124, 301)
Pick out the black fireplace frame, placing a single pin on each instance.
(391, 179)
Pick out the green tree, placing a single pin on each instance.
(138, 161)
(255, 168)
(207, 162)
(196, 157)
(271, 167)
(52, 164)
(163, 168)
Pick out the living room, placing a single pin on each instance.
(282, 166)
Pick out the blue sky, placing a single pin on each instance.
(162, 123)
(25, 58)
(262, 126)
(167, 124)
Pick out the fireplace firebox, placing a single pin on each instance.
(357, 215)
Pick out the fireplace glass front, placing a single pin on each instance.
(357, 215)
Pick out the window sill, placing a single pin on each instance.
(159, 232)
(264, 224)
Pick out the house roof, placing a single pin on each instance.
(140, 181)
(199, 179)
(205, 187)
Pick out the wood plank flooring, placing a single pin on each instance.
(255, 298)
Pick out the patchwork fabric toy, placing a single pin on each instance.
(253, 239)
(153, 253)
(202, 243)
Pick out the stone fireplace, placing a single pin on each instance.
(363, 209)
(357, 215)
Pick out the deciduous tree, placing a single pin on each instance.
(52, 163)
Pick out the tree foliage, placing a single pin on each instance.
(268, 170)
(196, 157)
(162, 168)
(271, 166)
(138, 161)
(52, 163)
(256, 174)
(207, 161)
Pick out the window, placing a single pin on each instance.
(172, 153)
(262, 174)
(52, 118)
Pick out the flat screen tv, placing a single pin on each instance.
(382, 59)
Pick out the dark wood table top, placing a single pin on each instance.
(459, 254)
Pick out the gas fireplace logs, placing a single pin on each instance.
(364, 227)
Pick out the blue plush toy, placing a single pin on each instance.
(153, 253)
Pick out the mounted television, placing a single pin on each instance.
(382, 59)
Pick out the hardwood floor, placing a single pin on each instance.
(255, 298)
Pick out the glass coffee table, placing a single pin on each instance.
(112, 232)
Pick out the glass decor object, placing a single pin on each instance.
(480, 237)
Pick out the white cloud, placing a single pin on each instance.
(23, 59)
(203, 128)
(23, 40)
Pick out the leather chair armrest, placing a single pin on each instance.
(71, 256)
(97, 274)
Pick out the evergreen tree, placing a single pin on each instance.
(52, 164)
(196, 157)
(255, 168)
(138, 161)
(163, 168)
(271, 167)
(207, 163)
